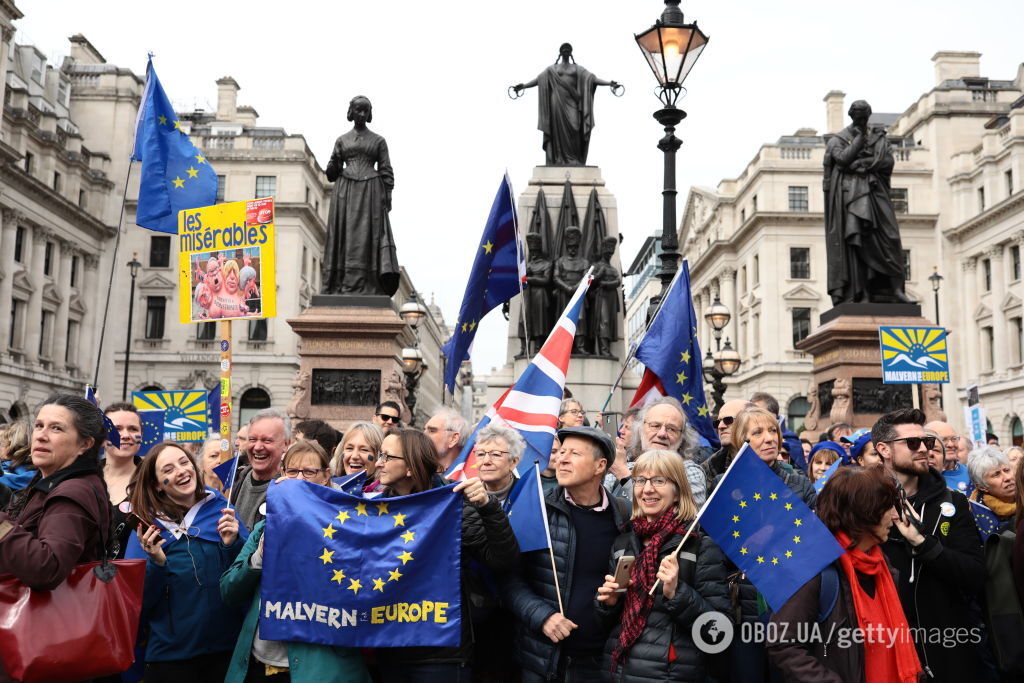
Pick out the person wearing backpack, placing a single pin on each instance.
(806, 641)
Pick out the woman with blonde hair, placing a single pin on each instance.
(357, 453)
(16, 456)
(652, 641)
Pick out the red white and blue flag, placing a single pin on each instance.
(531, 405)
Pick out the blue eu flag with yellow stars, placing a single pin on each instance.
(498, 270)
(152, 429)
(986, 520)
(820, 482)
(348, 571)
(175, 174)
(766, 530)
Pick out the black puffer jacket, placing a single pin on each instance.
(530, 592)
(487, 537)
(701, 589)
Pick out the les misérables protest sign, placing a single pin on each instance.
(226, 259)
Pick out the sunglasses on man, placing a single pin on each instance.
(914, 442)
(727, 421)
(384, 417)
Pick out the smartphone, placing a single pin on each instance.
(622, 568)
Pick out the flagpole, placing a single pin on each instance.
(110, 282)
(547, 531)
(520, 258)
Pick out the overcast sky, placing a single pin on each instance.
(437, 73)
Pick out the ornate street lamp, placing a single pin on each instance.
(726, 360)
(412, 311)
(718, 316)
(133, 268)
(414, 367)
(936, 281)
(671, 48)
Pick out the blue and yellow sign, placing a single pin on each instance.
(914, 355)
(185, 412)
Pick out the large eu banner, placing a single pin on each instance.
(344, 570)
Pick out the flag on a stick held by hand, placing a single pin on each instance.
(496, 277)
(531, 405)
(175, 174)
(672, 360)
(527, 513)
(820, 482)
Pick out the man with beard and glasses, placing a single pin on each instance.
(662, 426)
(934, 547)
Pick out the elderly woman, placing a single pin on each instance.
(937, 453)
(1014, 454)
(498, 452)
(358, 450)
(995, 487)
(55, 523)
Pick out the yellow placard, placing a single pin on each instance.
(226, 262)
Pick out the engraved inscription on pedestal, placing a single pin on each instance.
(345, 387)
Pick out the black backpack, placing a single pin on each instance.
(1004, 617)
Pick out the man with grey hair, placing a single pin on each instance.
(270, 434)
(498, 451)
(449, 431)
(662, 425)
(952, 470)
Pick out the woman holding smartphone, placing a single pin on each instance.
(652, 640)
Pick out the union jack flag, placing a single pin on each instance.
(530, 406)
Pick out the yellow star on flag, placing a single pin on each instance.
(177, 125)
(338, 576)
(757, 496)
(796, 539)
(200, 159)
(342, 516)
(394, 576)
(735, 518)
(465, 327)
(789, 553)
(354, 585)
(329, 531)
(789, 506)
(735, 534)
(684, 357)
(472, 325)
(361, 509)
(681, 378)
(797, 521)
(686, 399)
(775, 560)
(408, 536)
(378, 585)
(774, 496)
(192, 172)
(743, 551)
(178, 182)
(327, 555)
(743, 503)
(400, 519)
(382, 509)
(162, 119)
(760, 560)
(703, 411)
(405, 557)
(487, 246)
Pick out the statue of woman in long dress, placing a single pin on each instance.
(359, 257)
(566, 92)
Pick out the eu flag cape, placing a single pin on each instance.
(342, 570)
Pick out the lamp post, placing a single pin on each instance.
(726, 360)
(671, 48)
(936, 281)
(412, 312)
(133, 267)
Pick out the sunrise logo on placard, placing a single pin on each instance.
(912, 355)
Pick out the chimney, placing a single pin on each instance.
(227, 98)
(834, 111)
(951, 65)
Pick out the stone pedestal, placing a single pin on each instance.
(350, 359)
(847, 375)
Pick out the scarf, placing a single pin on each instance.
(1001, 508)
(645, 569)
(882, 664)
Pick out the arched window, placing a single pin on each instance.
(152, 387)
(252, 401)
(796, 412)
(1017, 432)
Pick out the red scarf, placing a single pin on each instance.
(645, 569)
(882, 664)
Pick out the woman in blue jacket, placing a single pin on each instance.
(190, 537)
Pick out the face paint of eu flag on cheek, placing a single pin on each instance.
(347, 571)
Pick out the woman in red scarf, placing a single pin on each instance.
(865, 636)
(652, 641)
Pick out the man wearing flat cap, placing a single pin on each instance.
(583, 521)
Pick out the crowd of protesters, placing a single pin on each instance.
(900, 498)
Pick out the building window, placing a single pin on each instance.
(305, 257)
(1015, 262)
(743, 216)
(251, 402)
(159, 251)
(56, 181)
(1008, 175)
(45, 328)
(986, 273)
(756, 271)
(798, 199)
(801, 324)
(258, 330)
(71, 348)
(743, 279)
(221, 180)
(48, 259)
(81, 199)
(19, 244)
(754, 204)
(17, 321)
(307, 194)
(981, 199)
(29, 157)
(73, 280)
(898, 195)
(1017, 432)
(988, 347)
(206, 331)
(906, 264)
(266, 185)
(1017, 328)
(799, 263)
(156, 307)
(795, 414)
(755, 332)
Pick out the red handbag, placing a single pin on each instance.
(83, 628)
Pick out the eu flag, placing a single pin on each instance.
(820, 482)
(526, 512)
(985, 519)
(213, 409)
(226, 472)
(152, 429)
(672, 357)
(342, 570)
(113, 436)
(175, 174)
(495, 278)
(766, 530)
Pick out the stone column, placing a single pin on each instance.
(9, 225)
(728, 289)
(62, 278)
(969, 302)
(1001, 347)
(88, 333)
(34, 313)
(702, 324)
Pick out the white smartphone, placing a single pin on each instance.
(622, 567)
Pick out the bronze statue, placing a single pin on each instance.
(604, 298)
(568, 272)
(539, 270)
(359, 257)
(566, 93)
(862, 239)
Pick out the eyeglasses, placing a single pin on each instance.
(671, 430)
(384, 417)
(491, 455)
(727, 421)
(306, 473)
(575, 411)
(952, 441)
(914, 442)
(657, 482)
(387, 457)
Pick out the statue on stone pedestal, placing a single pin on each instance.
(359, 257)
(538, 294)
(842, 407)
(932, 394)
(862, 239)
(603, 300)
(566, 93)
(568, 272)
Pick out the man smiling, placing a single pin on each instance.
(270, 434)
